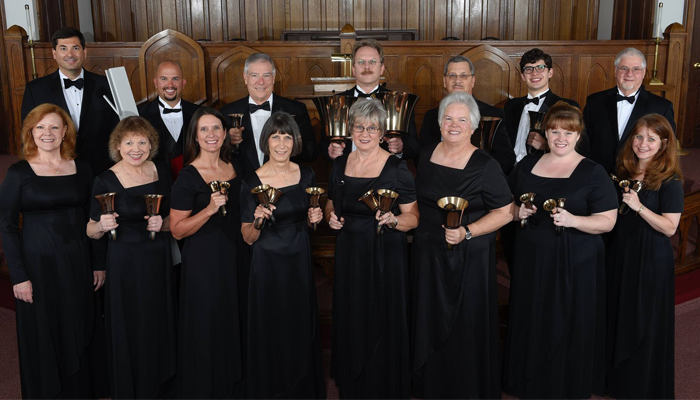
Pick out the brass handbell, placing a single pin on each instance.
(315, 198)
(536, 119)
(399, 108)
(487, 128)
(625, 185)
(454, 209)
(152, 209)
(527, 199)
(386, 198)
(106, 201)
(266, 195)
(550, 205)
(221, 187)
(333, 113)
(636, 186)
(370, 199)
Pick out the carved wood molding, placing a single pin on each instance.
(173, 45)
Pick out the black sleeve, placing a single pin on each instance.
(583, 147)
(28, 103)
(411, 144)
(430, 130)
(11, 206)
(671, 197)
(183, 193)
(602, 195)
(405, 185)
(494, 186)
(502, 149)
(668, 113)
(248, 202)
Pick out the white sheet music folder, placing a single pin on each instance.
(124, 106)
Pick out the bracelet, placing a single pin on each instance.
(640, 209)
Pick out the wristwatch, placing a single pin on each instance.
(467, 233)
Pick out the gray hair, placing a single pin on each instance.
(459, 59)
(630, 52)
(370, 110)
(464, 99)
(258, 57)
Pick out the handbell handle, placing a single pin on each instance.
(152, 236)
(222, 211)
(113, 234)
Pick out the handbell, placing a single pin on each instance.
(315, 198)
(221, 187)
(625, 185)
(399, 108)
(333, 112)
(386, 198)
(106, 201)
(370, 199)
(550, 205)
(261, 192)
(536, 119)
(454, 209)
(487, 128)
(152, 209)
(527, 199)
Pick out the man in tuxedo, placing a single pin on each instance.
(535, 71)
(459, 76)
(259, 76)
(368, 67)
(610, 115)
(79, 93)
(169, 114)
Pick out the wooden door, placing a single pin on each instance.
(691, 136)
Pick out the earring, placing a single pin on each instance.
(381, 140)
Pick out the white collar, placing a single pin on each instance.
(359, 89)
(63, 76)
(164, 104)
(529, 96)
(251, 101)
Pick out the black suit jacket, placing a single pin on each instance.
(169, 150)
(97, 119)
(501, 149)
(248, 150)
(514, 110)
(411, 144)
(600, 116)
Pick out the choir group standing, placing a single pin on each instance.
(230, 309)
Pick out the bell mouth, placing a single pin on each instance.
(458, 203)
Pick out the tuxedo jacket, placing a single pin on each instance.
(411, 144)
(97, 119)
(600, 117)
(169, 150)
(248, 154)
(501, 149)
(514, 110)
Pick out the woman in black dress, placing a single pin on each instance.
(370, 355)
(139, 297)
(555, 343)
(49, 257)
(641, 265)
(284, 350)
(209, 330)
(455, 342)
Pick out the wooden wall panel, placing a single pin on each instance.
(252, 20)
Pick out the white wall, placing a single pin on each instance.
(14, 11)
(16, 15)
(673, 12)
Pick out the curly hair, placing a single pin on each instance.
(664, 166)
(534, 55)
(29, 148)
(132, 126)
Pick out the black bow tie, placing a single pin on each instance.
(366, 95)
(78, 83)
(169, 110)
(620, 97)
(534, 100)
(254, 107)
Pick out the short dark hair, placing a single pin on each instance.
(460, 59)
(65, 33)
(285, 124)
(191, 146)
(133, 125)
(368, 43)
(534, 55)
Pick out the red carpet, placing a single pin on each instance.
(687, 286)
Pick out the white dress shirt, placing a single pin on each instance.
(257, 121)
(172, 121)
(74, 97)
(524, 126)
(624, 111)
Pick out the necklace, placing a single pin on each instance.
(137, 178)
(58, 167)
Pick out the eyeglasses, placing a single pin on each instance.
(529, 70)
(455, 76)
(371, 62)
(635, 70)
(357, 128)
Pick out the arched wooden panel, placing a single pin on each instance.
(227, 82)
(173, 45)
(496, 73)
